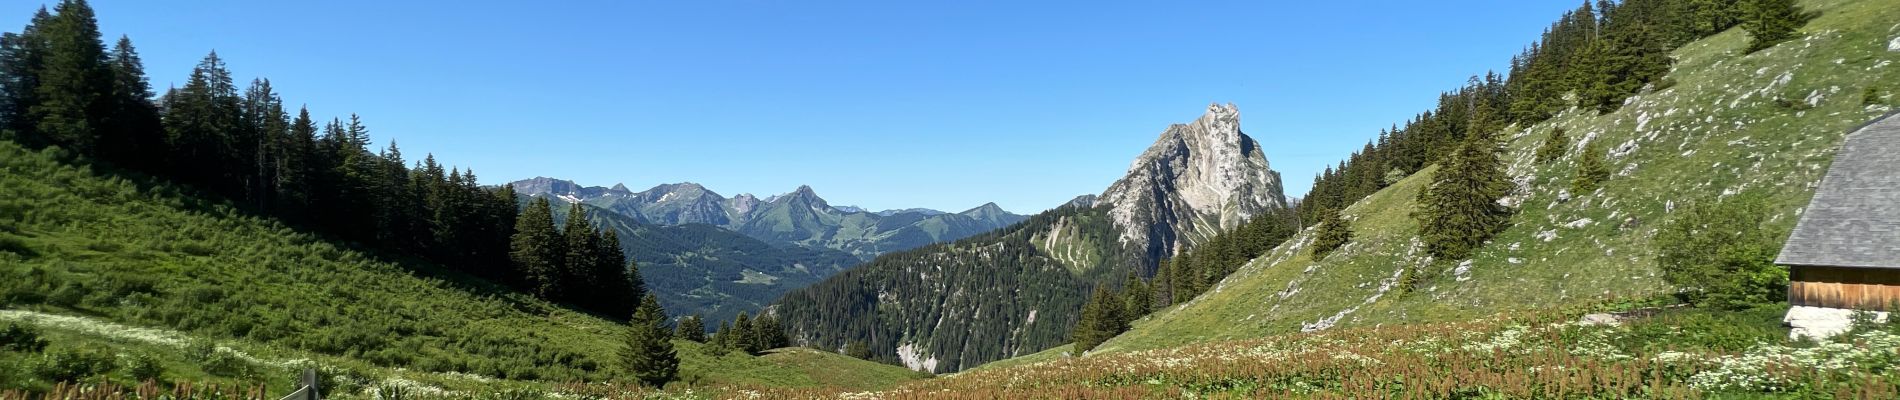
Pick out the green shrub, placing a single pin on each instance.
(21, 338)
(65, 364)
(1720, 254)
(142, 367)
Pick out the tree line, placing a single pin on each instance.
(61, 87)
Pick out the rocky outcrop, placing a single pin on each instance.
(1197, 180)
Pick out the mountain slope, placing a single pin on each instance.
(1017, 291)
(1765, 123)
(125, 266)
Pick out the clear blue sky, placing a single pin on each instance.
(884, 104)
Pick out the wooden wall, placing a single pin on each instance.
(1835, 287)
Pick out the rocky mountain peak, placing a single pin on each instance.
(1197, 179)
(802, 194)
(621, 188)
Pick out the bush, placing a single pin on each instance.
(1720, 255)
(21, 338)
(142, 367)
(64, 364)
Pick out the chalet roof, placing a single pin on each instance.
(1854, 219)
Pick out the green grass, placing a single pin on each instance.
(1731, 123)
(89, 258)
(1052, 354)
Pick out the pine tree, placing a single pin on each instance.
(649, 355)
(1333, 232)
(583, 255)
(1163, 285)
(1102, 319)
(134, 136)
(200, 120)
(1769, 22)
(742, 335)
(1460, 209)
(692, 328)
(75, 83)
(721, 341)
(22, 56)
(1591, 170)
(1554, 147)
(537, 250)
(768, 334)
(1140, 297)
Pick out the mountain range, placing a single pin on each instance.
(799, 218)
(703, 253)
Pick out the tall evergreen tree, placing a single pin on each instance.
(742, 335)
(1460, 209)
(1102, 319)
(75, 83)
(583, 254)
(1140, 297)
(200, 120)
(134, 135)
(1591, 170)
(1769, 22)
(649, 355)
(537, 250)
(22, 56)
(692, 328)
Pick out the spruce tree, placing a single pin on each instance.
(742, 335)
(1769, 22)
(649, 355)
(692, 328)
(134, 137)
(75, 83)
(721, 341)
(1140, 297)
(537, 250)
(1591, 170)
(1102, 319)
(1460, 210)
(22, 56)
(1333, 232)
(1554, 147)
(583, 255)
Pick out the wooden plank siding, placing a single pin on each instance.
(1875, 289)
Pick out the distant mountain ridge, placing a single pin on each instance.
(799, 217)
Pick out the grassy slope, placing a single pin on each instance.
(97, 235)
(1720, 129)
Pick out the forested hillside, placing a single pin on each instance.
(1585, 203)
(207, 236)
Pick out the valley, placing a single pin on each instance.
(1602, 218)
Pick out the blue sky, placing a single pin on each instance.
(941, 104)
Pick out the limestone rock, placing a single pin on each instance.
(1198, 179)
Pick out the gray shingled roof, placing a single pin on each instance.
(1854, 219)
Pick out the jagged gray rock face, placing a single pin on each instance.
(1197, 180)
